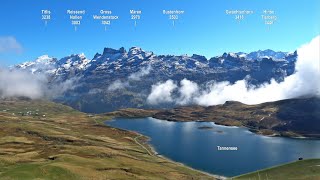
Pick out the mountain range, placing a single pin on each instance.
(118, 78)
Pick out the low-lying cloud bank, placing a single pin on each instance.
(304, 82)
(138, 75)
(19, 83)
(122, 84)
(16, 83)
(162, 92)
(118, 84)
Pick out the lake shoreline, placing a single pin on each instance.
(155, 153)
(251, 129)
(280, 118)
(154, 136)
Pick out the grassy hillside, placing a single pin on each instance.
(302, 170)
(44, 140)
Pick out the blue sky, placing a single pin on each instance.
(204, 28)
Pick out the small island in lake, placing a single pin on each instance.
(205, 127)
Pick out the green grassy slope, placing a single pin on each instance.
(45, 140)
(299, 170)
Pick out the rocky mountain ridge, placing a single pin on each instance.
(113, 79)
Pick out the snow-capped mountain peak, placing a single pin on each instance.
(120, 60)
(44, 58)
(260, 54)
(118, 65)
(41, 62)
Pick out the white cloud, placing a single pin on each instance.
(122, 84)
(304, 82)
(19, 83)
(117, 84)
(60, 87)
(138, 75)
(15, 83)
(187, 91)
(95, 91)
(161, 92)
(9, 44)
